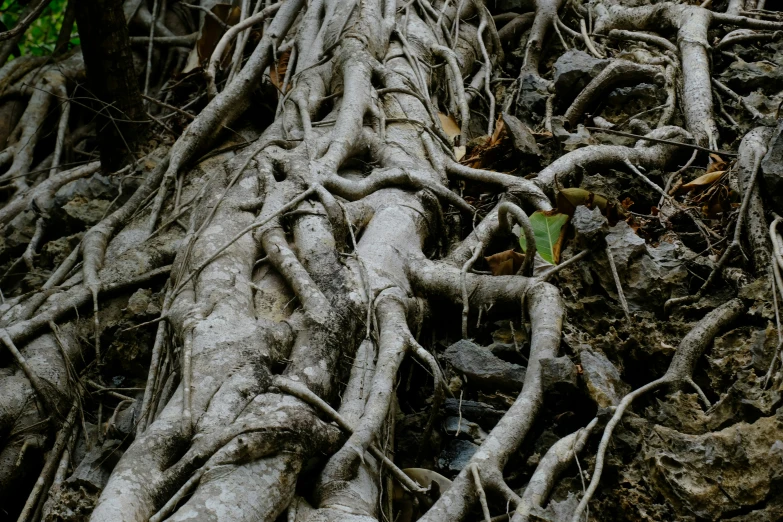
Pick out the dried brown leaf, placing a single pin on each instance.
(449, 125)
(505, 263)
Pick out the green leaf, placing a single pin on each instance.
(548, 229)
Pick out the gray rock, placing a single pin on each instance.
(716, 474)
(94, 469)
(590, 226)
(603, 379)
(484, 369)
(479, 412)
(649, 275)
(523, 140)
(772, 170)
(745, 76)
(624, 244)
(558, 370)
(532, 96)
(573, 71)
(745, 400)
(462, 428)
(456, 455)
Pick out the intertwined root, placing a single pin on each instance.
(301, 267)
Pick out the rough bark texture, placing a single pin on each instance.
(383, 260)
(111, 80)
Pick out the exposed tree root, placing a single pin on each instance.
(305, 258)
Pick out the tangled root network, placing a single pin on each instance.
(392, 260)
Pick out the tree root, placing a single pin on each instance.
(552, 464)
(545, 309)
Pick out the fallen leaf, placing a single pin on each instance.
(704, 180)
(717, 164)
(427, 478)
(505, 263)
(212, 32)
(277, 75)
(522, 138)
(570, 198)
(459, 152)
(449, 125)
(549, 230)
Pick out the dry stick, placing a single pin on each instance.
(647, 180)
(210, 14)
(667, 142)
(52, 461)
(617, 283)
(735, 242)
(304, 394)
(22, 25)
(737, 98)
(680, 372)
(166, 105)
(480, 490)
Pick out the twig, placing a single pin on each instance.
(166, 105)
(617, 283)
(667, 142)
(735, 242)
(647, 180)
(22, 25)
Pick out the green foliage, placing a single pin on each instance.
(41, 37)
(548, 229)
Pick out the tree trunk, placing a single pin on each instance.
(112, 81)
